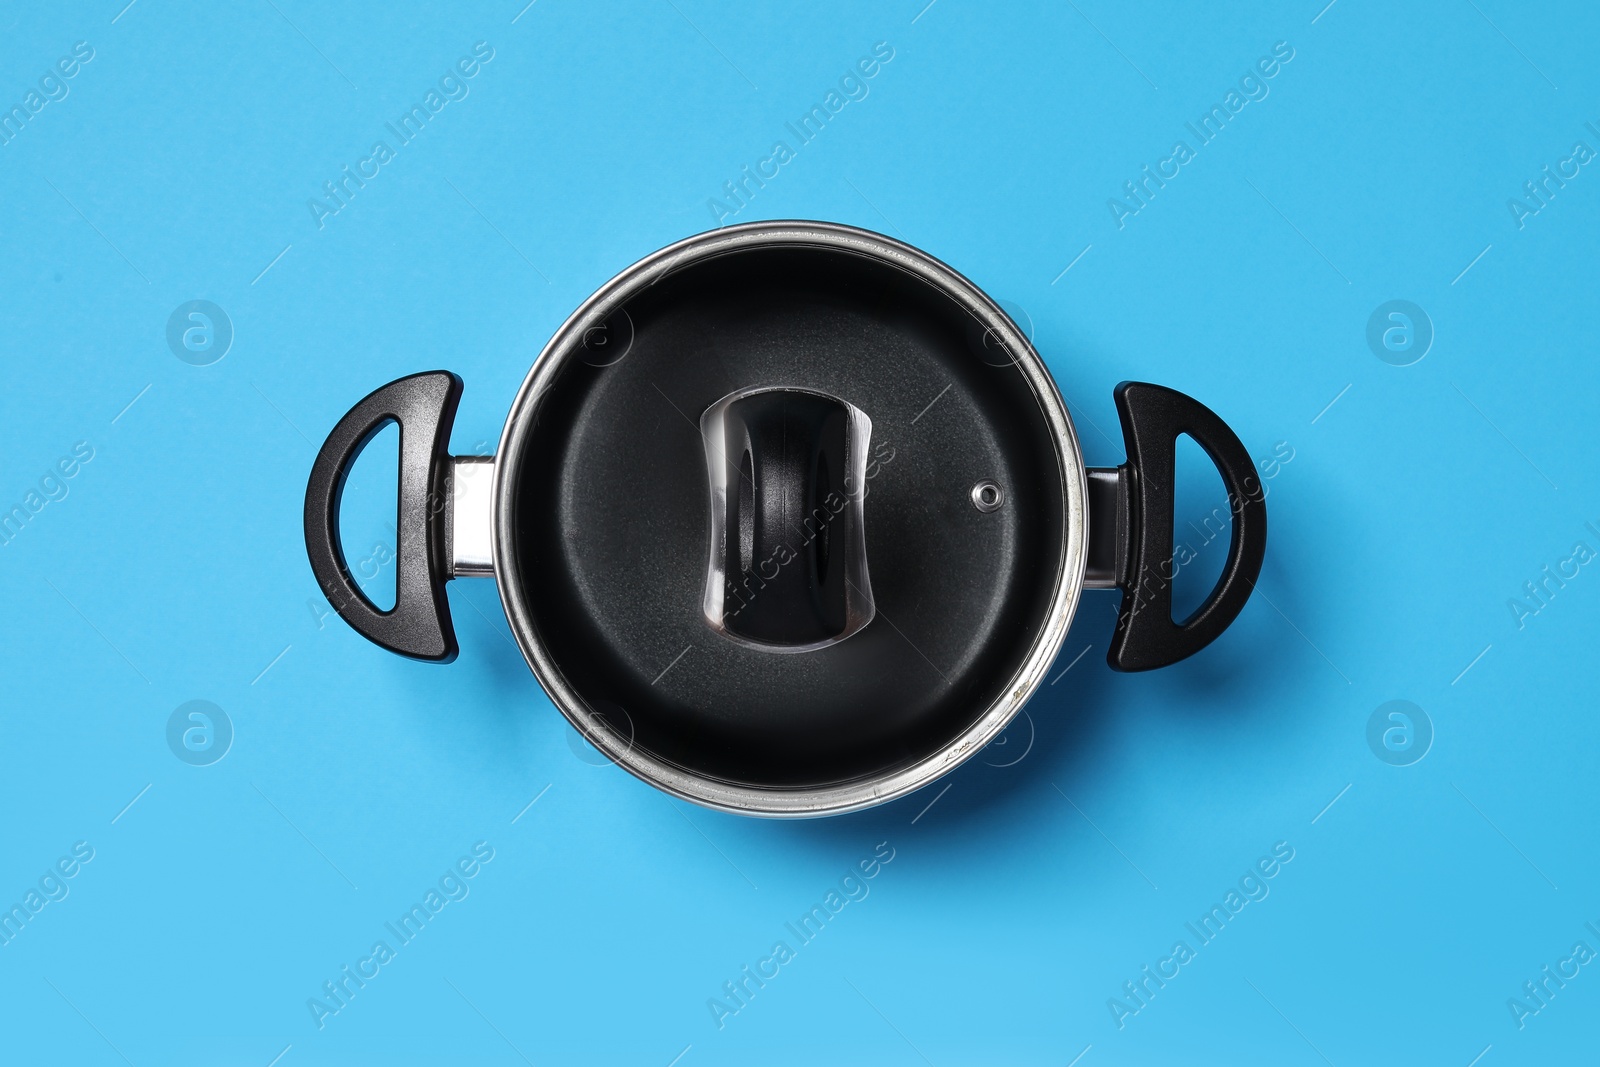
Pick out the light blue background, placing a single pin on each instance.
(1414, 508)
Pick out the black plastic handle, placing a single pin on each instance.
(424, 406)
(1131, 509)
(795, 453)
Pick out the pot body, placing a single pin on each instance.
(993, 325)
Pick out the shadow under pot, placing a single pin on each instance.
(789, 519)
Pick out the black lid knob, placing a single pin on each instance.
(788, 561)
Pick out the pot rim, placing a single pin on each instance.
(858, 793)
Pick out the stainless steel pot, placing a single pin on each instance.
(788, 519)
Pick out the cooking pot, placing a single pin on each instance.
(788, 519)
